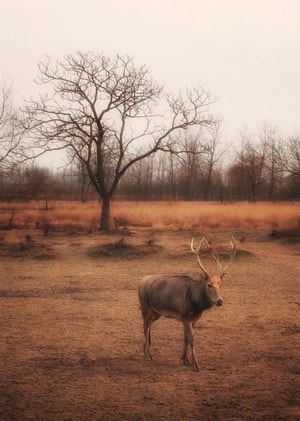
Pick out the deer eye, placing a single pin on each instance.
(209, 285)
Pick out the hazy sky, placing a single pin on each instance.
(246, 52)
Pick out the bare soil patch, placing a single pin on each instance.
(72, 342)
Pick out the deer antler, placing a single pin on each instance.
(219, 265)
(196, 251)
(222, 270)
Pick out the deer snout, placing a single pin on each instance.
(219, 302)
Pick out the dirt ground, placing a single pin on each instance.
(72, 341)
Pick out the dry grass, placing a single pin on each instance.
(183, 215)
(160, 215)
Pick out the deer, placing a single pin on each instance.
(183, 298)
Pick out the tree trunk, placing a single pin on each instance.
(105, 214)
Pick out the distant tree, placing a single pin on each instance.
(268, 139)
(289, 162)
(187, 176)
(26, 181)
(38, 182)
(236, 173)
(255, 160)
(10, 135)
(247, 169)
(289, 155)
(193, 166)
(213, 152)
(111, 114)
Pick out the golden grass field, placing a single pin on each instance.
(161, 215)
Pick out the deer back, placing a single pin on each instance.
(176, 296)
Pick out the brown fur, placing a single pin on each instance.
(180, 297)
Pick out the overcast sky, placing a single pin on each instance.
(245, 52)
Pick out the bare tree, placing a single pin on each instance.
(187, 174)
(38, 182)
(111, 114)
(196, 157)
(289, 155)
(268, 138)
(213, 153)
(246, 172)
(10, 137)
(255, 161)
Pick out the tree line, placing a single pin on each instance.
(249, 171)
(125, 137)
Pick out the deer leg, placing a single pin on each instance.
(148, 320)
(184, 357)
(147, 343)
(188, 330)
